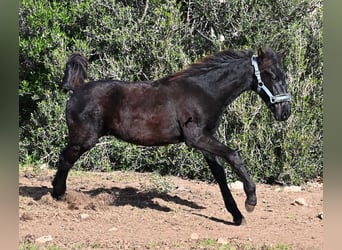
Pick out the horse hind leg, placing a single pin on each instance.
(195, 136)
(220, 176)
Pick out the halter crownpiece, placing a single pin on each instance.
(261, 86)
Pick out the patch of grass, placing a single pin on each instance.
(227, 247)
(27, 246)
(80, 172)
(213, 244)
(176, 245)
(208, 243)
(154, 245)
(95, 245)
(159, 184)
(278, 246)
(31, 246)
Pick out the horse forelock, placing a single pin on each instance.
(78, 59)
(79, 64)
(75, 72)
(269, 58)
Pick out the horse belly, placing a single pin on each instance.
(147, 129)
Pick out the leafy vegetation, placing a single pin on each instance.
(202, 244)
(142, 40)
(214, 244)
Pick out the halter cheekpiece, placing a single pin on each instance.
(261, 86)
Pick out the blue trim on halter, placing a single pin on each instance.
(261, 86)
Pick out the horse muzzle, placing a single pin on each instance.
(282, 111)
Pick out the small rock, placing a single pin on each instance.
(300, 202)
(28, 174)
(44, 239)
(236, 186)
(44, 166)
(32, 203)
(294, 189)
(84, 216)
(194, 236)
(26, 216)
(222, 241)
(113, 229)
(182, 189)
(320, 215)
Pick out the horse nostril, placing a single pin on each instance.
(285, 115)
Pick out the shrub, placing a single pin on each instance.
(43, 137)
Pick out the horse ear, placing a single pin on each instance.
(281, 54)
(261, 53)
(261, 56)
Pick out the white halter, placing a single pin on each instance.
(261, 86)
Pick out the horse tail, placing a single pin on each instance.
(75, 71)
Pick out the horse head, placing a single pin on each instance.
(271, 84)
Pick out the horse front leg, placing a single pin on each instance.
(67, 158)
(83, 135)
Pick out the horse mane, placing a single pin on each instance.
(212, 61)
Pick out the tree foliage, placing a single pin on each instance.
(141, 40)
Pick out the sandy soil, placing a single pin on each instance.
(126, 210)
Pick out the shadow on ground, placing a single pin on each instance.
(142, 199)
(121, 197)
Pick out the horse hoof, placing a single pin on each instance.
(249, 208)
(57, 197)
(239, 222)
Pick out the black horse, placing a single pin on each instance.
(182, 107)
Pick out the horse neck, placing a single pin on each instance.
(228, 80)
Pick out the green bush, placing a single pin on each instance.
(44, 136)
(145, 40)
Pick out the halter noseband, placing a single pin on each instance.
(261, 86)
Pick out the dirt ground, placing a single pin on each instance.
(126, 210)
